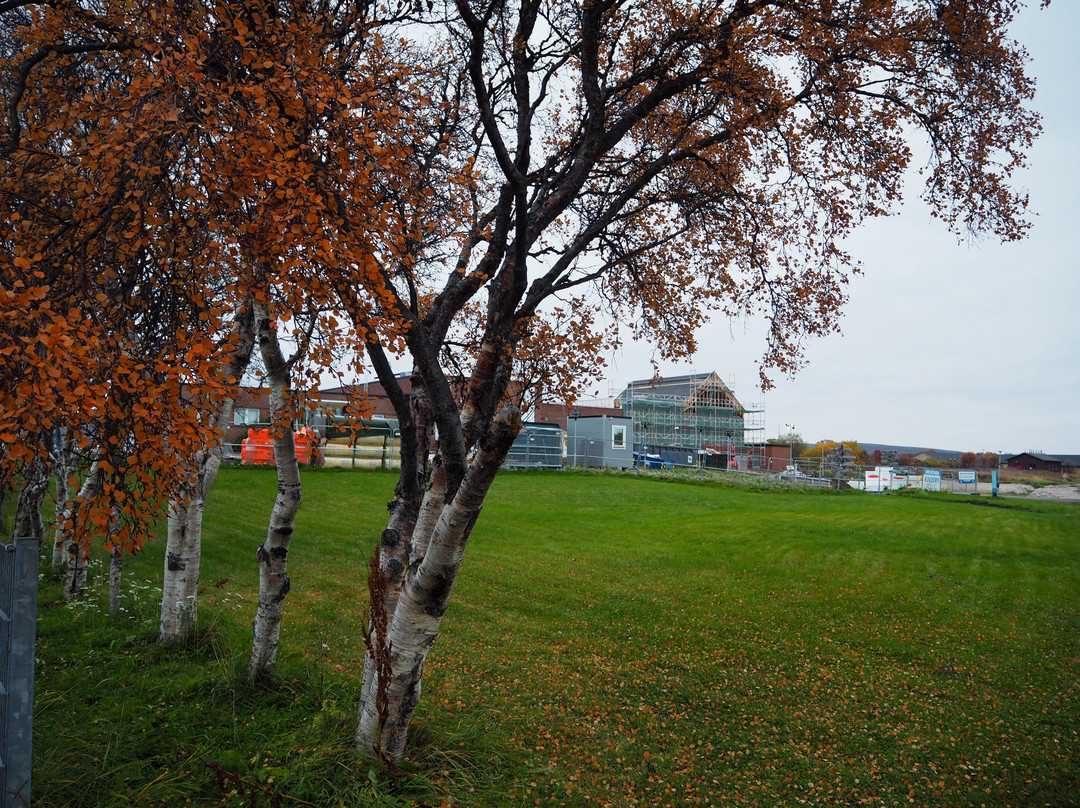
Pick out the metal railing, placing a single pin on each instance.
(18, 619)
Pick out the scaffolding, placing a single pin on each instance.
(697, 420)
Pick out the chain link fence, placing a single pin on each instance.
(886, 478)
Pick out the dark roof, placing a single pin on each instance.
(694, 389)
(1037, 456)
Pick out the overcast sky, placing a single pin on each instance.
(973, 348)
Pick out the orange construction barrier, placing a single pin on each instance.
(257, 449)
(306, 445)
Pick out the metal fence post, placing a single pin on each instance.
(18, 624)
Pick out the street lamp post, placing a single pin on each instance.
(791, 442)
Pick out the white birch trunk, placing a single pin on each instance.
(273, 555)
(183, 552)
(430, 510)
(116, 572)
(116, 567)
(78, 554)
(384, 716)
(392, 575)
(183, 555)
(183, 544)
(62, 468)
(28, 522)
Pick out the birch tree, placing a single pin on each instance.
(63, 468)
(654, 163)
(667, 162)
(273, 554)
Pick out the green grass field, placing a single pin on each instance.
(613, 640)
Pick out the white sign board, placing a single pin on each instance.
(968, 478)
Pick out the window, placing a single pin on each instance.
(618, 437)
(245, 415)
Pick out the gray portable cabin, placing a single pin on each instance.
(536, 446)
(600, 441)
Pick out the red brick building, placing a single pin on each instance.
(560, 413)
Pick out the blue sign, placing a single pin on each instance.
(931, 479)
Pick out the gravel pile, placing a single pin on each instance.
(1059, 493)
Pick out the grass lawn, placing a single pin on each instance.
(613, 640)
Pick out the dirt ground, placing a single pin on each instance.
(1056, 493)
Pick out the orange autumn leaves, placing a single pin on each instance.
(164, 164)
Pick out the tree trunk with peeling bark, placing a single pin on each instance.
(273, 555)
(395, 551)
(413, 624)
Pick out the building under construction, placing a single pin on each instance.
(694, 420)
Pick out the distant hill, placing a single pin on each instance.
(949, 454)
(944, 454)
